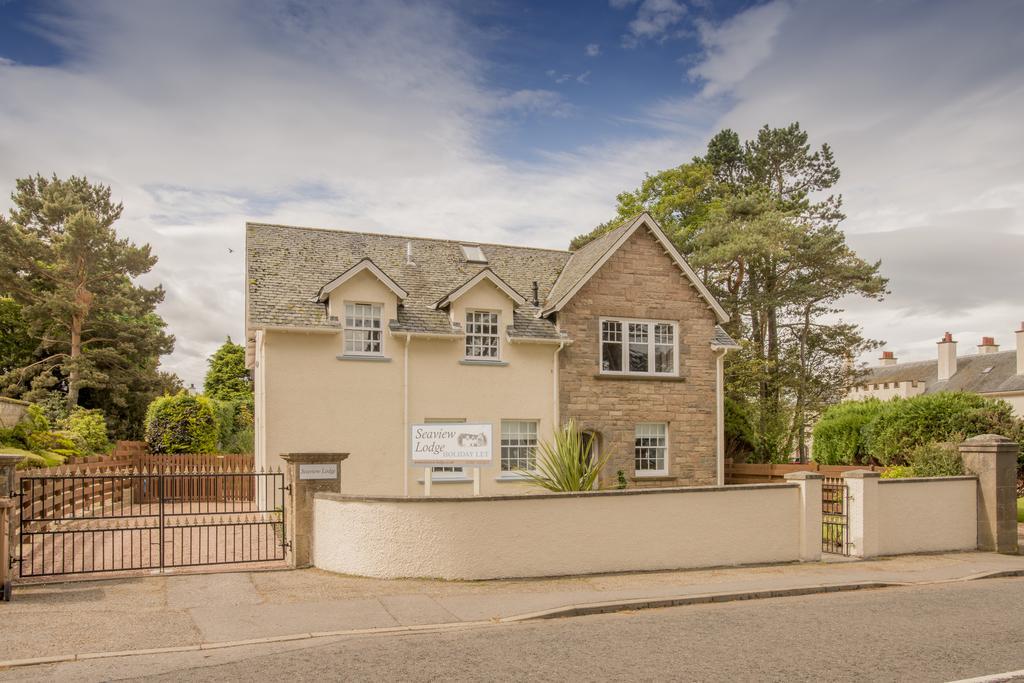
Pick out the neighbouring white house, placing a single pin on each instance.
(989, 372)
(357, 340)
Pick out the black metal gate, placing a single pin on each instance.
(74, 523)
(835, 506)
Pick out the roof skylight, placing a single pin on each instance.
(473, 253)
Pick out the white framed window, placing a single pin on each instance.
(650, 449)
(482, 335)
(639, 347)
(518, 445)
(363, 329)
(443, 472)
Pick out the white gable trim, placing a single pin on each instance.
(364, 264)
(652, 225)
(485, 274)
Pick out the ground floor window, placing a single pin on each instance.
(442, 472)
(518, 445)
(650, 450)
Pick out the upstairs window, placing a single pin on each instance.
(481, 335)
(639, 347)
(363, 329)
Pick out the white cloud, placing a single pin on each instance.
(204, 116)
(654, 20)
(917, 102)
(592, 50)
(735, 47)
(4, 61)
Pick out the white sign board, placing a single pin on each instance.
(451, 444)
(319, 471)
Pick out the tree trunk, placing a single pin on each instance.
(83, 301)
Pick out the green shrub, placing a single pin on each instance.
(898, 472)
(182, 424)
(936, 460)
(242, 441)
(34, 422)
(839, 433)
(564, 464)
(91, 427)
(920, 420)
(740, 436)
(31, 460)
(64, 443)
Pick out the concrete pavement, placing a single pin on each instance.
(191, 610)
(931, 632)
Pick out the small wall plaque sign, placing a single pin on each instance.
(318, 471)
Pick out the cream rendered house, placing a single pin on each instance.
(355, 337)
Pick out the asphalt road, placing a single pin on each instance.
(928, 633)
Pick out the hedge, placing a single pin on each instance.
(182, 424)
(839, 433)
(943, 417)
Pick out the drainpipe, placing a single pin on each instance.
(405, 417)
(554, 386)
(720, 415)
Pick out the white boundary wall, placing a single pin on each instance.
(926, 515)
(560, 534)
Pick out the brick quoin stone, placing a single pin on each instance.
(641, 281)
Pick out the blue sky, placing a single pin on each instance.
(520, 122)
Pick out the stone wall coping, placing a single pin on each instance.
(803, 475)
(7, 458)
(926, 480)
(861, 474)
(354, 498)
(313, 457)
(987, 440)
(15, 401)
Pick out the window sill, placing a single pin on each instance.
(653, 477)
(640, 378)
(448, 480)
(369, 359)
(511, 476)
(495, 363)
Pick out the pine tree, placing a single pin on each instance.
(756, 220)
(63, 262)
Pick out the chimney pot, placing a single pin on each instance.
(948, 337)
(988, 345)
(888, 358)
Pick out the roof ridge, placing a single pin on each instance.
(404, 237)
(965, 356)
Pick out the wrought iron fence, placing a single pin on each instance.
(83, 522)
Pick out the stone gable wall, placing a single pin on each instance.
(641, 281)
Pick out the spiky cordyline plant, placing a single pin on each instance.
(564, 463)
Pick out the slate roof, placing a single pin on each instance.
(980, 373)
(582, 260)
(722, 338)
(287, 265)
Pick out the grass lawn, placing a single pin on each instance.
(1020, 510)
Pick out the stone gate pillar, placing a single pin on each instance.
(993, 459)
(307, 474)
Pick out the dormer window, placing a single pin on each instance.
(363, 329)
(473, 253)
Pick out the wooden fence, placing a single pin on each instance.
(70, 486)
(764, 473)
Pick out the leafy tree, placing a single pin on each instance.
(98, 335)
(756, 221)
(839, 435)
(16, 346)
(227, 379)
